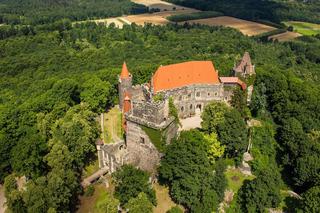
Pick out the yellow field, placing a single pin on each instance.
(155, 18)
(246, 27)
(287, 36)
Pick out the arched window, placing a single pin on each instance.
(191, 106)
(182, 109)
(198, 94)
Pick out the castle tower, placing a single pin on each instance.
(125, 82)
(244, 67)
(126, 108)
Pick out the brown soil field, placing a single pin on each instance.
(287, 36)
(162, 5)
(156, 18)
(246, 27)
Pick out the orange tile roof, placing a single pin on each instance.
(183, 74)
(233, 80)
(124, 72)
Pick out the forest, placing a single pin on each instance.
(56, 77)
(271, 10)
(37, 12)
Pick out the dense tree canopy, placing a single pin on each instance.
(44, 76)
(187, 170)
(130, 182)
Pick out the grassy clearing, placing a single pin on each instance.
(304, 28)
(91, 168)
(163, 199)
(112, 129)
(235, 179)
(87, 204)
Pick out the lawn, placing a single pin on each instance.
(304, 28)
(112, 127)
(91, 168)
(87, 204)
(163, 199)
(235, 179)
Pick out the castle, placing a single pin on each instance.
(147, 121)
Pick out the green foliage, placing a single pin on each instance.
(274, 10)
(129, 182)
(200, 189)
(107, 205)
(89, 191)
(139, 204)
(158, 97)
(97, 94)
(239, 102)
(229, 126)
(173, 111)
(212, 116)
(156, 138)
(261, 193)
(192, 16)
(13, 195)
(215, 149)
(175, 209)
(41, 11)
(310, 200)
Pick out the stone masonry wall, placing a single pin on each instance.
(142, 152)
(188, 99)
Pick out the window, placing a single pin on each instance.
(198, 94)
(180, 98)
(189, 95)
(209, 94)
(216, 94)
(142, 141)
(182, 109)
(190, 106)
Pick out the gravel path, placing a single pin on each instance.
(2, 199)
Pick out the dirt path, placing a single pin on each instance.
(2, 199)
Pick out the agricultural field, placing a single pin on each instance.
(159, 18)
(158, 4)
(246, 27)
(304, 28)
(287, 36)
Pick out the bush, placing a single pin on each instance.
(175, 209)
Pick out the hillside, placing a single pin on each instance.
(44, 11)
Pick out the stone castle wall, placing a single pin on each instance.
(142, 152)
(191, 98)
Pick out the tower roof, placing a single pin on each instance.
(183, 74)
(124, 73)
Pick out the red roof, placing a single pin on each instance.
(124, 73)
(233, 80)
(183, 74)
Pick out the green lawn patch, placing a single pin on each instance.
(112, 127)
(156, 137)
(304, 28)
(235, 179)
(91, 168)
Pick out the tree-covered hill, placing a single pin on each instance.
(272, 10)
(48, 79)
(47, 11)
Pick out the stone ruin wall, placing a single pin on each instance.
(142, 152)
(188, 98)
(150, 112)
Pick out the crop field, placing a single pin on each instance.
(304, 28)
(162, 5)
(159, 18)
(246, 27)
(287, 36)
